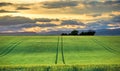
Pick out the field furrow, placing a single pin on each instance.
(57, 50)
(10, 48)
(108, 48)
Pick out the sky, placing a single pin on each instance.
(58, 15)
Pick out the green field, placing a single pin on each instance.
(41, 50)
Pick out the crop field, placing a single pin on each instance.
(59, 53)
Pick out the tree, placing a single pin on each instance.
(74, 32)
(82, 33)
(89, 32)
(64, 34)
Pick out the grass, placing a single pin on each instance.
(61, 68)
(40, 51)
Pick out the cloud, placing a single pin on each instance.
(45, 19)
(16, 20)
(25, 4)
(47, 25)
(105, 24)
(5, 11)
(28, 25)
(5, 4)
(23, 24)
(66, 7)
(42, 22)
(112, 2)
(97, 25)
(59, 4)
(114, 25)
(100, 7)
(9, 29)
(116, 19)
(71, 22)
(22, 8)
(96, 15)
(32, 29)
(9, 20)
(39, 29)
(105, 2)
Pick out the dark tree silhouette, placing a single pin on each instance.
(74, 32)
(64, 34)
(90, 32)
(82, 33)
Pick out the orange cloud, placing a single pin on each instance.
(115, 13)
(32, 29)
(35, 29)
(70, 27)
(112, 25)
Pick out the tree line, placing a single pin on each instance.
(83, 33)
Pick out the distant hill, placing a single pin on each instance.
(18, 33)
(108, 32)
(98, 32)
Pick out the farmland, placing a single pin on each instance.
(35, 51)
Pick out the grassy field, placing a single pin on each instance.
(32, 51)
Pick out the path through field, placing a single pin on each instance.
(58, 48)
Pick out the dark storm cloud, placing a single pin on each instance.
(22, 8)
(71, 22)
(5, 11)
(60, 4)
(5, 4)
(8, 20)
